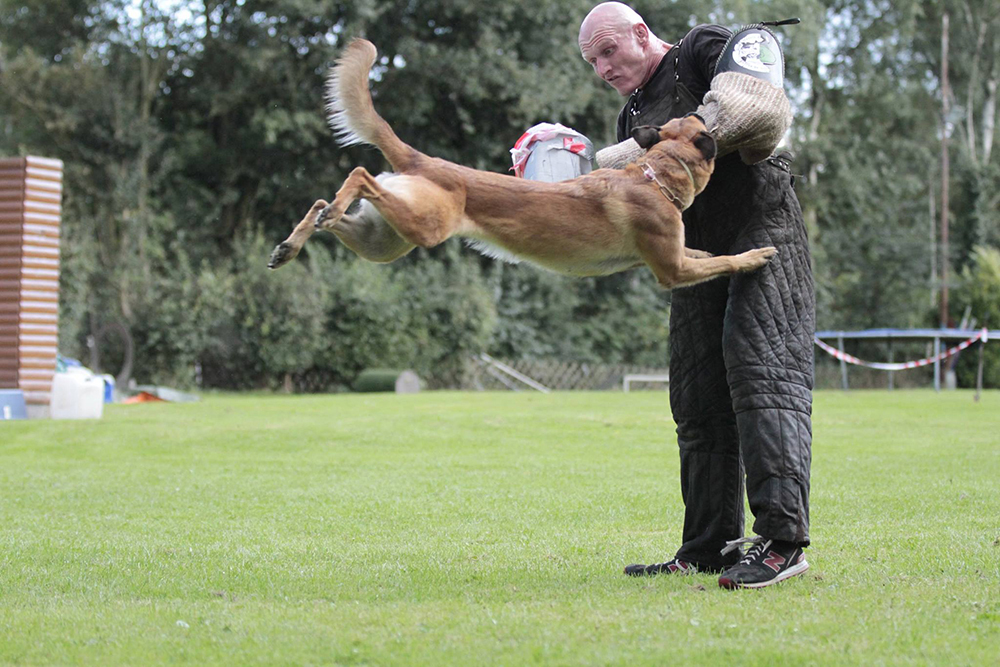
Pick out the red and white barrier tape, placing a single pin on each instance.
(982, 335)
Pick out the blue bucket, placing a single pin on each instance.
(109, 388)
(12, 404)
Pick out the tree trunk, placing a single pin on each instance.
(817, 101)
(989, 119)
(945, 170)
(972, 86)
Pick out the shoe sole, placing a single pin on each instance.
(796, 569)
(642, 572)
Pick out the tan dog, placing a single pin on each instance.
(607, 221)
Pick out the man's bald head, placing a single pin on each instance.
(614, 16)
(619, 46)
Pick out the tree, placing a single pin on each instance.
(190, 136)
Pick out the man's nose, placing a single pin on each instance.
(604, 68)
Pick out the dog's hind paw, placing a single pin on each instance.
(283, 253)
(321, 218)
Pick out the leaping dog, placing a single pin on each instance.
(607, 221)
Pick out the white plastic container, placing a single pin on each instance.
(77, 394)
(552, 152)
(551, 162)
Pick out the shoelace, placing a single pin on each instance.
(682, 565)
(756, 544)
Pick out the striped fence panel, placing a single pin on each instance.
(30, 209)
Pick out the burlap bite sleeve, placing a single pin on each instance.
(746, 114)
(617, 156)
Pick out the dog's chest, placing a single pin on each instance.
(567, 265)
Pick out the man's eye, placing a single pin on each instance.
(608, 52)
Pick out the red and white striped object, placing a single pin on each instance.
(900, 366)
(543, 132)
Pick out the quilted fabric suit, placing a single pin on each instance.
(741, 348)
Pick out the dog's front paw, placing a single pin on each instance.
(282, 254)
(756, 258)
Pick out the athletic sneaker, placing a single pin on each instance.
(766, 562)
(672, 566)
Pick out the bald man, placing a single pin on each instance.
(741, 348)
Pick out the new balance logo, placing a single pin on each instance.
(774, 560)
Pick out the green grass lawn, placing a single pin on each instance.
(465, 528)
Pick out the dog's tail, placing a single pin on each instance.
(351, 112)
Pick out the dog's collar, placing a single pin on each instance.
(671, 196)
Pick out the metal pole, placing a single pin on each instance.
(843, 364)
(933, 239)
(979, 373)
(937, 363)
(891, 359)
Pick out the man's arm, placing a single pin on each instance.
(618, 156)
(745, 107)
(744, 113)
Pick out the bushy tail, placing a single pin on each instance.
(351, 112)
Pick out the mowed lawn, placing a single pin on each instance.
(480, 528)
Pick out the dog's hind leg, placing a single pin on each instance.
(421, 212)
(368, 234)
(288, 249)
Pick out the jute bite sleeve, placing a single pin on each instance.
(745, 114)
(617, 156)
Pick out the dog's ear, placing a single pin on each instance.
(705, 142)
(646, 136)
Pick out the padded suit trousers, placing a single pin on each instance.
(741, 366)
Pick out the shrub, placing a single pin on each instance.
(980, 291)
(424, 314)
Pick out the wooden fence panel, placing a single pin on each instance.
(561, 375)
(30, 214)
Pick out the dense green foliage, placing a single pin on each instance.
(194, 139)
(981, 287)
(451, 528)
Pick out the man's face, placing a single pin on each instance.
(617, 56)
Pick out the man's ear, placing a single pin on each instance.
(641, 33)
(646, 136)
